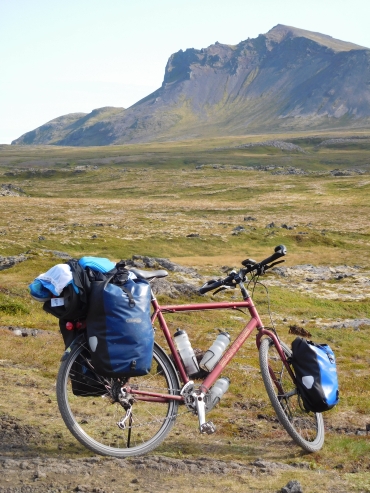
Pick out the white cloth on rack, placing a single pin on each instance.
(56, 278)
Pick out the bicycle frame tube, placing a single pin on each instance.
(255, 322)
(229, 354)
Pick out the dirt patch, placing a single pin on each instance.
(100, 475)
(16, 436)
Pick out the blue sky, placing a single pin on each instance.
(68, 56)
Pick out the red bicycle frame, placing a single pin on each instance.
(254, 323)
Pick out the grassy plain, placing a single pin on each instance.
(146, 199)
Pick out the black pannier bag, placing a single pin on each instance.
(119, 327)
(73, 305)
(68, 335)
(85, 383)
(316, 375)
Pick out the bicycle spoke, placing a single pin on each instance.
(94, 420)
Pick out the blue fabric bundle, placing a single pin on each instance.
(39, 292)
(103, 265)
(51, 283)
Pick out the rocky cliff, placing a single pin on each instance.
(283, 80)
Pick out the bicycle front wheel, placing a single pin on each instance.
(306, 428)
(93, 419)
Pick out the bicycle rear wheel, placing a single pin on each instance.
(93, 419)
(306, 428)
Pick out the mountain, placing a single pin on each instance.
(286, 79)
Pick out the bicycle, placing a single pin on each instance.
(132, 416)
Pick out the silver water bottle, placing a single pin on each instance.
(214, 353)
(186, 352)
(216, 392)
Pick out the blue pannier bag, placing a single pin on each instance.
(316, 375)
(119, 326)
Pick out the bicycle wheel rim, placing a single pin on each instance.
(93, 420)
(306, 428)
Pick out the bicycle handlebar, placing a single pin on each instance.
(280, 251)
(250, 265)
(210, 286)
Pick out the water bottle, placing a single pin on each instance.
(186, 352)
(214, 353)
(216, 392)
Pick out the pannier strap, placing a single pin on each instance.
(148, 274)
(119, 279)
(130, 297)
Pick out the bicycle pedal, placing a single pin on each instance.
(208, 428)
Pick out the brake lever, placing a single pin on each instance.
(223, 288)
(273, 265)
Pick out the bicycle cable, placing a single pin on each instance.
(255, 280)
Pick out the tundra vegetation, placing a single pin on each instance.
(206, 204)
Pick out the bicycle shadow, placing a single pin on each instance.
(249, 450)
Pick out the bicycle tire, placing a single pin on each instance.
(93, 420)
(306, 428)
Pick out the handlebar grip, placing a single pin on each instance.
(209, 286)
(280, 251)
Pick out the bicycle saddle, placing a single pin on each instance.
(148, 274)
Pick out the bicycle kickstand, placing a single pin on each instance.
(204, 427)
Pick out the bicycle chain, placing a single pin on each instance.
(159, 420)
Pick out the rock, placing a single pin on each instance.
(158, 263)
(299, 331)
(293, 486)
(250, 218)
(161, 287)
(21, 331)
(278, 144)
(10, 190)
(337, 172)
(269, 466)
(58, 254)
(290, 171)
(40, 474)
(186, 289)
(331, 142)
(8, 262)
(271, 225)
(173, 290)
(193, 235)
